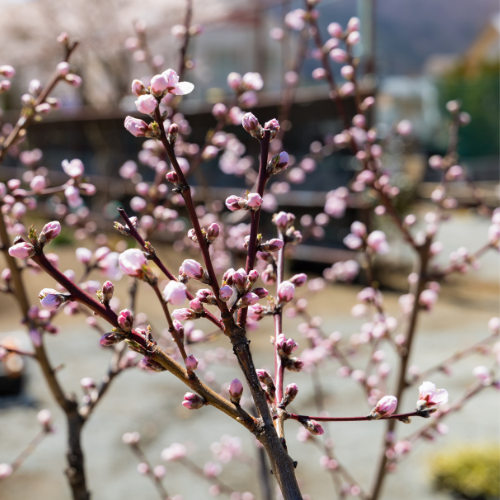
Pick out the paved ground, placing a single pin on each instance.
(150, 403)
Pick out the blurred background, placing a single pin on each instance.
(414, 57)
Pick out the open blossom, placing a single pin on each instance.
(385, 407)
(286, 291)
(175, 293)
(377, 241)
(132, 262)
(22, 250)
(73, 168)
(51, 299)
(429, 396)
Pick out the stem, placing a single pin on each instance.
(189, 464)
(255, 216)
(28, 450)
(397, 416)
(183, 51)
(157, 481)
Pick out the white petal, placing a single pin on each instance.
(441, 397)
(183, 88)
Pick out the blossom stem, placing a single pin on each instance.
(134, 233)
(398, 416)
(255, 216)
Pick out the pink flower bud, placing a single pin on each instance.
(44, 418)
(353, 25)
(239, 279)
(136, 127)
(250, 122)
(312, 426)
(494, 325)
(338, 55)
(429, 396)
(183, 314)
(6, 274)
(319, 74)
(272, 245)
(73, 80)
(7, 71)
(5, 469)
(132, 262)
(234, 80)
(347, 71)
(146, 104)
(248, 299)
(191, 363)
(196, 305)
(175, 293)
(285, 346)
(254, 201)
(335, 30)
(219, 110)
(260, 292)
(38, 183)
(125, 320)
(193, 269)
(264, 377)
(253, 276)
(235, 391)
(291, 392)
(234, 203)
(377, 241)
(110, 339)
(51, 299)
(225, 293)
(50, 231)
(108, 289)
(299, 279)
(22, 250)
(213, 232)
(286, 291)
(172, 177)
(385, 407)
(159, 84)
(192, 401)
(87, 383)
(281, 220)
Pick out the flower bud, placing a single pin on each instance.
(250, 123)
(138, 88)
(44, 418)
(262, 293)
(312, 426)
(234, 203)
(196, 305)
(192, 401)
(125, 320)
(51, 299)
(264, 377)
(193, 269)
(110, 339)
(235, 391)
(108, 289)
(248, 299)
(183, 314)
(285, 346)
(286, 291)
(175, 293)
(136, 127)
(191, 363)
(225, 293)
(213, 232)
(274, 126)
(299, 279)
(291, 392)
(272, 245)
(385, 407)
(50, 231)
(22, 250)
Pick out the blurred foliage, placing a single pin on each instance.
(468, 471)
(479, 94)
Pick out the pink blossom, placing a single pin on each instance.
(285, 346)
(18, 210)
(353, 25)
(347, 71)
(38, 183)
(5, 470)
(234, 203)
(132, 262)
(319, 74)
(193, 269)
(44, 417)
(51, 299)
(50, 231)
(235, 390)
(22, 250)
(494, 325)
(73, 196)
(174, 86)
(128, 169)
(428, 298)
(138, 204)
(192, 401)
(125, 320)
(183, 314)
(296, 19)
(191, 363)
(225, 293)
(175, 293)
(250, 122)
(429, 396)
(146, 104)
(335, 30)
(404, 127)
(252, 81)
(73, 80)
(299, 279)
(248, 299)
(338, 55)
(234, 80)
(286, 291)
(377, 241)
(136, 127)
(174, 452)
(353, 38)
(385, 407)
(7, 71)
(353, 242)
(482, 374)
(254, 200)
